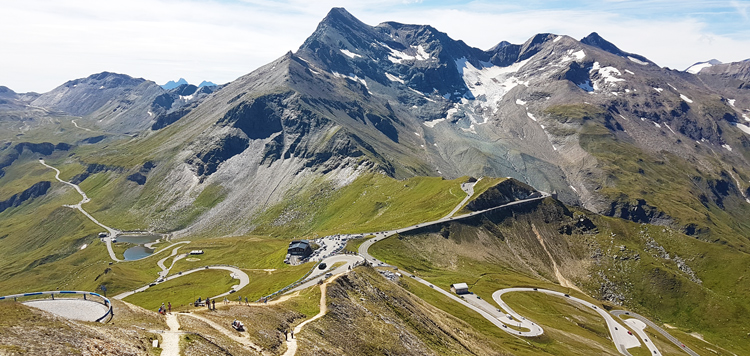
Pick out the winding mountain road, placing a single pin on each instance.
(85, 199)
(680, 345)
(619, 333)
(517, 324)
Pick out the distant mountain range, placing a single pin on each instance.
(172, 84)
(610, 132)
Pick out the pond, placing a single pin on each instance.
(140, 251)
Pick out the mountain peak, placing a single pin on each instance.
(172, 84)
(595, 40)
(206, 83)
(339, 15)
(697, 67)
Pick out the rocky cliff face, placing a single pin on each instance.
(36, 190)
(561, 115)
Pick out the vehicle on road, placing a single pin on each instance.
(629, 333)
(329, 274)
(322, 266)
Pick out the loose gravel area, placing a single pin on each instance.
(76, 309)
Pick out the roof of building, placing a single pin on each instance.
(460, 286)
(299, 244)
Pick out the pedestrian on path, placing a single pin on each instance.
(286, 336)
(246, 303)
(169, 305)
(292, 332)
(213, 304)
(208, 303)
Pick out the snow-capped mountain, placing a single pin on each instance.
(697, 67)
(554, 112)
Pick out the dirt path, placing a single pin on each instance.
(244, 340)
(291, 343)
(170, 339)
(560, 278)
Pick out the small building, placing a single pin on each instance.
(460, 288)
(299, 248)
(196, 252)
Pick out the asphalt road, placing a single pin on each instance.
(619, 333)
(680, 345)
(85, 199)
(319, 275)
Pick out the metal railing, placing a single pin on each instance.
(107, 303)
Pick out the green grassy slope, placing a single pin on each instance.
(372, 202)
(618, 261)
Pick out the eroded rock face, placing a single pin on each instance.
(36, 190)
(502, 193)
(638, 211)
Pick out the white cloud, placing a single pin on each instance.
(47, 42)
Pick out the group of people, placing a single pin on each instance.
(165, 309)
(287, 334)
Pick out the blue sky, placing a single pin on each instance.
(47, 42)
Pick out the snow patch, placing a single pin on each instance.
(520, 102)
(352, 77)
(683, 97)
(350, 54)
(744, 128)
(186, 97)
(432, 123)
(574, 188)
(84, 246)
(150, 114)
(101, 87)
(393, 78)
(489, 83)
(657, 124)
(557, 39)
(744, 116)
(470, 129)
(417, 133)
(569, 56)
(731, 102)
(695, 68)
(629, 72)
(636, 60)
(659, 89)
(399, 56)
(531, 116)
(608, 73)
(729, 148)
(670, 129)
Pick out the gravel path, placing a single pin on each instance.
(170, 339)
(77, 309)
